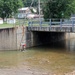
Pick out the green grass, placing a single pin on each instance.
(19, 22)
(5, 25)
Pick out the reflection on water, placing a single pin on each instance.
(57, 58)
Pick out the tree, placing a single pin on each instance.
(58, 8)
(7, 7)
(28, 3)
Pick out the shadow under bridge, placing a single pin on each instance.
(37, 38)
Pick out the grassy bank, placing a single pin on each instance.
(18, 23)
(5, 25)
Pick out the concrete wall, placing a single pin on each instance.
(21, 36)
(69, 36)
(29, 38)
(70, 41)
(7, 39)
(13, 38)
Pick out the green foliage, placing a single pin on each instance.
(58, 8)
(28, 3)
(9, 6)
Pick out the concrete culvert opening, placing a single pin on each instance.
(50, 39)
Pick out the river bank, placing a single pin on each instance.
(28, 71)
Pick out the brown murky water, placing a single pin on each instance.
(57, 58)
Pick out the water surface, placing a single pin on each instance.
(58, 58)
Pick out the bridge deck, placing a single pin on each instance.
(54, 28)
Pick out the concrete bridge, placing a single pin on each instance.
(41, 32)
(36, 33)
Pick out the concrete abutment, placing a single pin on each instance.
(14, 38)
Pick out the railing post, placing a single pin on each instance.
(60, 23)
(32, 25)
(50, 24)
(72, 25)
(40, 23)
(29, 24)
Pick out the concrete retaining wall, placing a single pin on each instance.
(69, 36)
(14, 38)
(8, 39)
(21, 36)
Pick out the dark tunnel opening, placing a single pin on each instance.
(49, 39)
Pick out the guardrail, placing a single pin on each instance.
(52, 22)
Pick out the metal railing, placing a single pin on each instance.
(52, 22)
